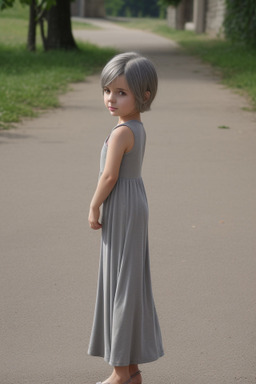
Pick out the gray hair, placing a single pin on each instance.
(140, 75)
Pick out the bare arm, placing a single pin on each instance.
(120, 141)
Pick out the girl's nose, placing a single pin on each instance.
(111, 97)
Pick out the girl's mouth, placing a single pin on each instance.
(112, 109)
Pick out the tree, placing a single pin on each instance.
(37, 15)
(56, 15)
(59, 27)
(31, 42)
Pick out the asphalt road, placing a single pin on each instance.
(201, 186)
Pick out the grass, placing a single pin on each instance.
(31, 82)
(236, 63)
(81, 25)
(144, 23)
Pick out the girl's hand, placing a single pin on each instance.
(93, 218)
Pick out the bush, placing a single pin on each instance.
(240, 21)
(132, 8)
(175, 3)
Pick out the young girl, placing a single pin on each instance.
(125, 330)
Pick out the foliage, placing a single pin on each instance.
(113, 7)
(175, 3)
(43, 4)
(132, 8)
(240, 21)
(6, 4)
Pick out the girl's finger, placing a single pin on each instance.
(95, 225)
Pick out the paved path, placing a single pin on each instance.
(201, 184)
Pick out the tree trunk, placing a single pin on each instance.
(180, 15)
(59, 27)
(41, 23)
(31, 42)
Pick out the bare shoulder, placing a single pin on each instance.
(122, 133)
(122, 136)
(122, 130)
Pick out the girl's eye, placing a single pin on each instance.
(121, 93)
(106, 90)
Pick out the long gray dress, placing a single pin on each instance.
(125, 328)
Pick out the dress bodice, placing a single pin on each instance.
(132, 161)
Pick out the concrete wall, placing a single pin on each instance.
(94, 8)
(215, 11)
(208, 15)
(171, 17)
(88, 8)
(178, 17)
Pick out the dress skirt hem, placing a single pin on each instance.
(132, 362)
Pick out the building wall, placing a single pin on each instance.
(171, 17)
(74, 9)
(94, 8)
(88, 8)
(178, 17)
(208, 15)
(215, 11)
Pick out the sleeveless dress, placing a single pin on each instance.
(125, 328)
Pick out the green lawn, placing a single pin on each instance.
(31, 82)
(236, 63)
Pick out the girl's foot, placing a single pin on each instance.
(115, 379)
(119, 381)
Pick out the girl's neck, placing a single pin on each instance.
(123, 120)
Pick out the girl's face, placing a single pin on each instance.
(120, 101)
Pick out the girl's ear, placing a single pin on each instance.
(147, 96)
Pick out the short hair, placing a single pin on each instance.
(140, 75)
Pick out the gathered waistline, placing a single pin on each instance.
(129, 178)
